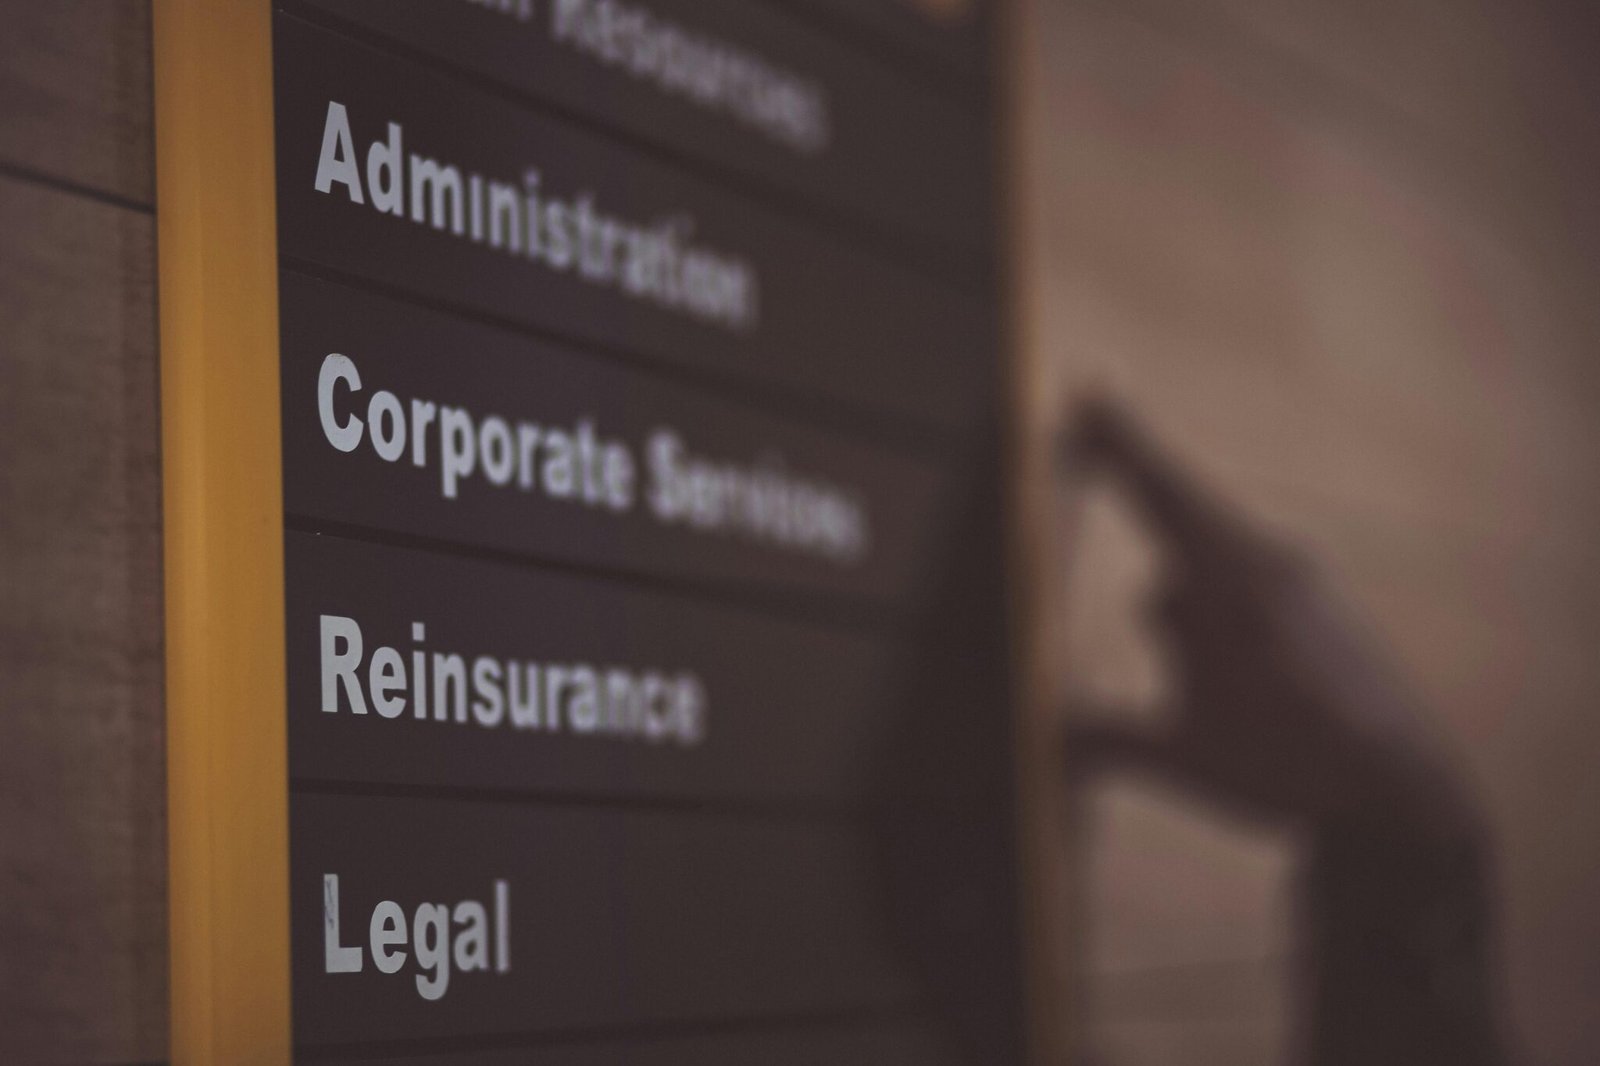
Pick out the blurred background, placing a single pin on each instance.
(1340, 257)
(1342, 260)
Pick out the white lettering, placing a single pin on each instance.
(653, 261)
(384, 163)
(386, 933)
(336, 369)
(336, 958)
(337, 161)
(615, 702)
(718, 76)
(339, 667)
(468, 937)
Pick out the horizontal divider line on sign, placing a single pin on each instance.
(943, 261)
(820, 609)
(867, 1014)
(930, 72)
(792, 811)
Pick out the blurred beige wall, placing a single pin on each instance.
(1343, 258)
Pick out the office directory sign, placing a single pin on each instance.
(586, 609)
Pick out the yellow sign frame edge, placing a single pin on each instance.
(227, 760)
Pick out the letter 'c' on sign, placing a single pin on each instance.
(337, 368)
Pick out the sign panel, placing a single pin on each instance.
(408, 421)
(586, 612)
(746, 87)
(394, 174)
(520, 679)
(425, 924)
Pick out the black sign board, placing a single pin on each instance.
(586, 596)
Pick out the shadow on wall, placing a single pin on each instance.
(1340, 263)
(1284, 711)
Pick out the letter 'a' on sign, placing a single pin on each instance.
(581, 431)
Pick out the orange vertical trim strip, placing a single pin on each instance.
(222, 467)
